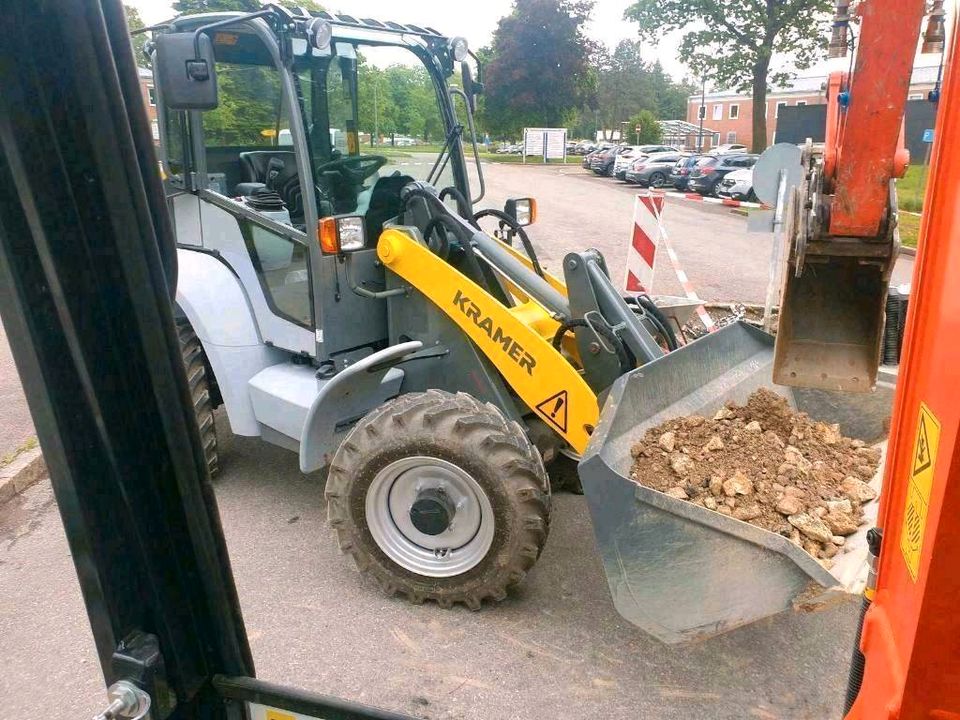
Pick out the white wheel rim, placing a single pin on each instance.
(454, 551)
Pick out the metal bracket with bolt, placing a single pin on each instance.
(127, 702)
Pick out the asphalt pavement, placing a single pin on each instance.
(16, 426)
(555, 649)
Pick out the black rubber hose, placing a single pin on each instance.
(463, 205)
(464, 235)
(443, 223)
(660, 320)
(858, 663)
(518, 229)
(619, 348)
(659, 325)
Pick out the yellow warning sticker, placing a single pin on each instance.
(554, 409)
(924, 462)
(277, 715)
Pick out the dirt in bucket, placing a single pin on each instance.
(766, 464)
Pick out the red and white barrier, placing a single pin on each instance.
(642, 253)
(697, 197)
(648, 234)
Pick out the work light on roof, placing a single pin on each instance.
(459, 48)
(319, 33)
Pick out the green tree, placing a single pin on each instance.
(624, 84)
(135, 22)
(645, 128)
(670, 97)
(734, 41)
(539, 72)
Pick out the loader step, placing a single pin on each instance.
(282, 395)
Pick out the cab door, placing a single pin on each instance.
(252, 211)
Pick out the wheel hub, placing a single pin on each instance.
(432, 512)
(429, 516)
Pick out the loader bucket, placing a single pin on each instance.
(679, 571)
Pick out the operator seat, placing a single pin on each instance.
(277, 170)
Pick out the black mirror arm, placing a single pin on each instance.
(197, 68)
(478, 83)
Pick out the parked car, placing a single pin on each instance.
(711, 169)
(589, 157)
(653, 170)
(680, 174)
(623, 161)
(738, 185)
(729, 148)
(602, 162)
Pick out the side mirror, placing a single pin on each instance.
(185, 71)
(523, 210)
(471, 87)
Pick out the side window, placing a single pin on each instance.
(282, 267)
(340, 107)
(175, 146)
(242, 134)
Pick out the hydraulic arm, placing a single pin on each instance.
(842, 219)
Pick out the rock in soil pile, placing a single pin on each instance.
(766, 464)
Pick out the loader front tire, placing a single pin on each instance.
(439, 497)
(194, 363)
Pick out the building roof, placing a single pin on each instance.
(679, 128)
(813, 84)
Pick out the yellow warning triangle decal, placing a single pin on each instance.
(921, 459)
(554, 410)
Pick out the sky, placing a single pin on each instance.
(477, 20)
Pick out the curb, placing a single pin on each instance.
(912, 252)
(25, 470)
(697, 197)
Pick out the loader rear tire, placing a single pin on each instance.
(195, 365)
(422, 452)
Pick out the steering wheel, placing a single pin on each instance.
(356, 168)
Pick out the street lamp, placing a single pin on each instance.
(702, 113)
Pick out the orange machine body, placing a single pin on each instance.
(911, 633)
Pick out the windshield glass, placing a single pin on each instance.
(370, 112)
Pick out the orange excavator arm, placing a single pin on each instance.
(841, 221)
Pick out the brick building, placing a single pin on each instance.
(149, 93)
(729, 115)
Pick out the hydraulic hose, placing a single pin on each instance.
(619, 349)
(443, 223)
(858, 663)
(463, 205)
(518, 229)
(659, 320)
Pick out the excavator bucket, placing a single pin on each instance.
(831, 322)
(677, 570)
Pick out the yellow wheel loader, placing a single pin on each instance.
(339, 298)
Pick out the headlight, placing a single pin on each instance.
(523, 210)
(342, 234)
(459, 48)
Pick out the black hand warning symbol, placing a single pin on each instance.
(921, 459)
(554, 410)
